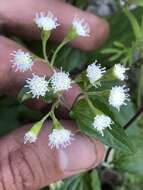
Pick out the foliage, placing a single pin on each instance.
(124, 45)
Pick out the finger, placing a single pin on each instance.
(11, 81)
(33, 166)
(20, 21)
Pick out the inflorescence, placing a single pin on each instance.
(60, 81)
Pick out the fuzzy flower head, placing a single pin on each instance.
(95, 72)
(60, 138)
(30, 137)
(81, 27)
(38, 86)
(120, 71)
(21, 60)
(60, 81)
(118, 96)
(102, 122)
(123, 3)
(46, 21)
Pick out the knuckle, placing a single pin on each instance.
(17, 173)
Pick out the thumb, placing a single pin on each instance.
(33, 166)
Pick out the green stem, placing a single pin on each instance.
(54, 106)
(56, 52)
(92, 107)
(56, 123)
(69, 37)
(45, 36)
(45, 117)
(44, 45)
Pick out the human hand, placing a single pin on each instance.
(33, 166)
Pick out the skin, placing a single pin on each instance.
(33, 166)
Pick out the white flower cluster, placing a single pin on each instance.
(120, 71)
(131, 6)
(81, 27)
(30, 137)
(38, 86)
(60, 81)
(95, 72)
(118, 95)
(60, 138)
(101, 122)
(21, 60)
(48, 22)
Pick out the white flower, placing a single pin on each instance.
(102, 122)
(81, 27)
(120, 71)
(118, 96)
(95, 72)
(46, 21)
(38, 86)
(30, 137)
(60, 81)
(60, 138)
(22, 60)
(123, 3)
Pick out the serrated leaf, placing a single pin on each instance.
(116, 137)
(132, 162)
(125, 161)
(24, 95)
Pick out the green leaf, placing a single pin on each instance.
(95, 180)
(109, 51)
(142, 22)
(83, 181)
(116, 137)
(125, 161)
(116, 56)
(138, 2)
(71, 59)
(24, 95)
(132, 162)
(118, 44)
(135, 25)
(49, 97)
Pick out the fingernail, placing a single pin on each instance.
(81, 155)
